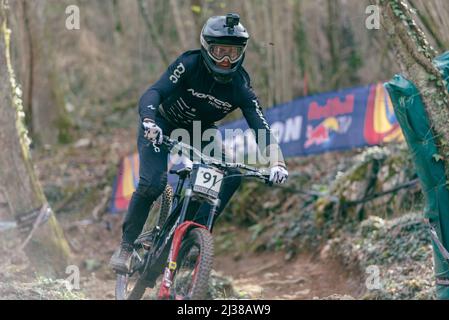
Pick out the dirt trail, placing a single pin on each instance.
(261, 275)
(268, 276)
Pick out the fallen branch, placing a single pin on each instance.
(100, 209)
(355, 202)
(61, 205)
(383, 193)
(261, 269)
(283, 282)
(44, 213)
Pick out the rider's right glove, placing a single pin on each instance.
(152, 131)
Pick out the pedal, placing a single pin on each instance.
(146, 239)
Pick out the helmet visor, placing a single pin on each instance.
(219, 52)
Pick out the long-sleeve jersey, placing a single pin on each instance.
(187, 92)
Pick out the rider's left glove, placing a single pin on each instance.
(152, 131)
(278, 174)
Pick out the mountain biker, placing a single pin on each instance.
(201, 85)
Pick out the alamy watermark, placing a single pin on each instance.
(72, 282)
(229, 145)
(372, 22)
(373, 281)
(72, 21)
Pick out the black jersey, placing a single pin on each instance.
(187, 92)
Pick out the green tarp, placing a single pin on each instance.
(412, 117)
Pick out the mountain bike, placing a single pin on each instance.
(180, 246)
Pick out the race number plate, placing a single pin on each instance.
(208, 181)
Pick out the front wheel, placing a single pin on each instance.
(194, 265)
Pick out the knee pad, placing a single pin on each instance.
(151, 190)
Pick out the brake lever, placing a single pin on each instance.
(165, 141)
(261, 176)
(266, 179)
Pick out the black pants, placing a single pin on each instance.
(153, 180)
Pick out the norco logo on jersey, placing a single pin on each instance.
(180, 69)
(215, 101)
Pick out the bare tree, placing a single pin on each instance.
(434, 17)
(43, 97)
(179, 24)
(151, 28)
(44, 242)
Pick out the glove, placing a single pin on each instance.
(152, 131)
(278, 174)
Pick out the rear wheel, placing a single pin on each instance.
(130, 286)
(126, 289)
(194, 265)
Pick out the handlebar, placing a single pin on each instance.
(252, 172)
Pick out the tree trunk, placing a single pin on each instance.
(415, 59)
(153, 34)
(20, 48)
(277, 38)
(333, 37)
(258, 48)
(434, 17)
(180, 29)
(302, 54)
(49, 118)
(47, 249)
(269, 55)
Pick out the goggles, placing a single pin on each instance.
(218, 52)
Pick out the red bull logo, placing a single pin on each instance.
(324, 132)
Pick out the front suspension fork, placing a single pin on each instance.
(170, 269)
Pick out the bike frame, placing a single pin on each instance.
(179, 228)
(173, 233)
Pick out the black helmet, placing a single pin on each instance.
(223, 37)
